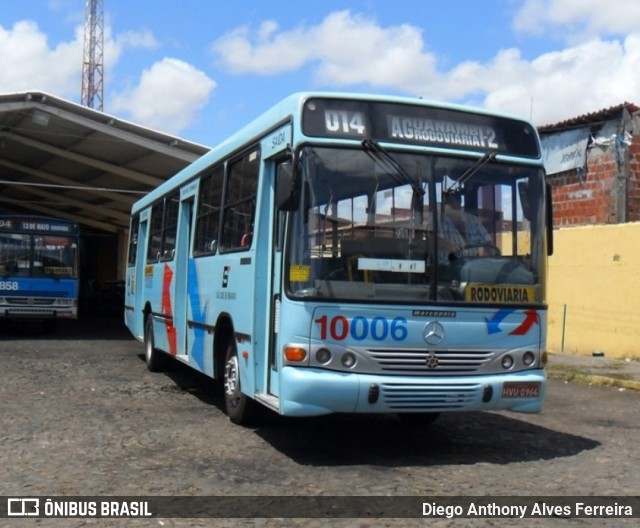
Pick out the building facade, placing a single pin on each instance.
(593, 163)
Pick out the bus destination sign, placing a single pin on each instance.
(37, 225)
(418, 125)
(445, 133)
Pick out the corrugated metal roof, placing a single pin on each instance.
(592, 118)
(58, 158)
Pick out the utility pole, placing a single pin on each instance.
(92, 64)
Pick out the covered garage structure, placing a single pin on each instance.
(64, 160)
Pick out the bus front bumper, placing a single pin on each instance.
(35, 313)
(313, 392)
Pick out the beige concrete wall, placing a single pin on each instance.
(594, 275)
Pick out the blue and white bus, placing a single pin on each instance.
(352, 254)
(38, 268)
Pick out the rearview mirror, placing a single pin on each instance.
(287, 187)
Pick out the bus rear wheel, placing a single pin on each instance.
(239, 407)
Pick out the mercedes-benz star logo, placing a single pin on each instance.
(433, 333)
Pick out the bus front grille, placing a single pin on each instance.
(420, 396)
(30, 301)
(430, 362)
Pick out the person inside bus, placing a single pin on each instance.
(460, 232)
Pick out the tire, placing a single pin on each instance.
(239, 407)
(155, 359)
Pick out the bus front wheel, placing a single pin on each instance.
(239, 407)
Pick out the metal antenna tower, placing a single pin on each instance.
(92, 64)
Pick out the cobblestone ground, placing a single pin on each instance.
(81, 415)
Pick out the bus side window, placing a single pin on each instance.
(155, 233)
(240, 202)
(133, 241)
(170, 226)
(208, 213)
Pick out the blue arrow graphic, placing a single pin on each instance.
(197, 348)
(493, 324)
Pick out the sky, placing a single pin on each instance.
(201, 69)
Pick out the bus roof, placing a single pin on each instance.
(280, 113)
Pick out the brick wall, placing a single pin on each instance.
(589, 197)
(634, 176)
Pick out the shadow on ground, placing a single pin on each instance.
(381, 440)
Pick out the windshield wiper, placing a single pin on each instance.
(373, 149)
(466, 175)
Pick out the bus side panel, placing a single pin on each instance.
(233, 290)
(132, 312)
(179, 287)
(221, 286)
(201, 315)
(157, 293)
(134, 285)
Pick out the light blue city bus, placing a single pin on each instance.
(349, 253)
(38, 269)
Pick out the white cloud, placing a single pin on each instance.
(270, 55)
(567, 83)
(116, 45)
(348, 49)
(137, 39)
(28, 63)
(585, 18)
(168, 96)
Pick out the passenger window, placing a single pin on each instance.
(164, 227)
(240, 203)
(208, 215)
(170, 228)
(133, 241)
(155, 234)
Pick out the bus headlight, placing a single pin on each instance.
(323, 356)
(348, 360)
(528, 358)
(507, 362)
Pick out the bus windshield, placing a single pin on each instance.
(406, 227)
(35, 255)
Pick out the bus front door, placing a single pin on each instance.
(181, 285)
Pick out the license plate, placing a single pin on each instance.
(515, 389)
